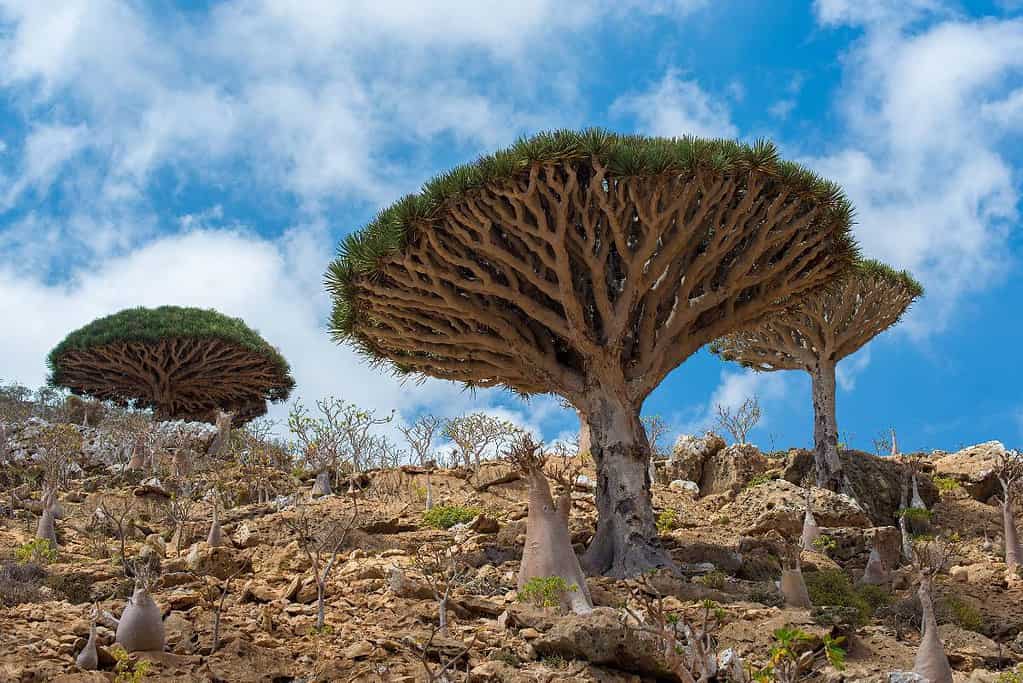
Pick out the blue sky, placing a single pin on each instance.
(213, 153)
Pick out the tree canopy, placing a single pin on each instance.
(830, 325)
(512, 269)
(185, 363)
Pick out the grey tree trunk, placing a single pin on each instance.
(918, 501)
(321, 487)
(828, 466)
(1013, 552)
(931, 662)
(793, 587)
(584, 433)
(88, 658)
(320, 600)
(625, 543)
(46, 529)
(548, 551)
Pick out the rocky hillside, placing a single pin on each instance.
(724, 511)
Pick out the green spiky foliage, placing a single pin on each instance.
(361, 252)
(218, 361)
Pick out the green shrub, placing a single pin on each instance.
(715, 579)
(1014, 676)
(668, 521)
(76, 587)
(447, 516)
(20, 583)
(787, 662)
(825, 544)
(916, 515)
(759, 480)
(832, 587)
(945, 484)
(545, 591)
(38, 550)
(128, 671)
(964, 614)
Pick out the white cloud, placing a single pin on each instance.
(676, 107)
(47, 149)
(888, 13)
(847, 371)
(923, 160)
(770, 388)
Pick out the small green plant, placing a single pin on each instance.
(447, 516)
(945, 484)
(668, 521)
(759, 480)
(964, 614)
(545, 591)
(715, 579)
(554, 662)
(419, 493)
(128, 671)
(833, 588)
(1014, 676)
(38, 550)
(324, 630)
(724, 519)
(825, 544)
(787, 662)
(916, 515)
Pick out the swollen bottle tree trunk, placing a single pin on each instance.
(88, 658)
(45, 529)
(548, 551)
(215, 537)
(1013, 552)
(140, 627)
(828, 465)
(875, 573)
(811, 532)
(793, 587)
(321, 487)
(625, 542)
(931, 662)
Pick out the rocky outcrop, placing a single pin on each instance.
(973, 468)
(603, 638)
(714, 467)
(779, 505)
(876, 483)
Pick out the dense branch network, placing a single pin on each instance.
(538, 282)
(830, 325)
(183, 363)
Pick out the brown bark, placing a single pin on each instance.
(584, 434)
(625, 542)
(179, 378)
(930, 662)
(827, 464)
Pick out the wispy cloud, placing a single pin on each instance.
(676, 106)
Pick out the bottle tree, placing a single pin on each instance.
(589, 265)
(183, 363)
(813, 333)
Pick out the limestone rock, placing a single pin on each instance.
(876, 483)
(973, 468)
(685, 486)
(779, 505)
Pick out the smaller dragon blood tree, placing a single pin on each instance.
(183, 363)
(548, 552)
(816, 331)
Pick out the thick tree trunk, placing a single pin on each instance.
(584, 434)
(793, 588)
(825, 427)
(931, 662)
(1013, 552)
(625, 543)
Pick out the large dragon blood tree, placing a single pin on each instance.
(183, 363)
(815, 332)
(588, 265)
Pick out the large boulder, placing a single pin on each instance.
(779, 505)
(603, 638)
(714, 467)
(973, 468)
(876, 483)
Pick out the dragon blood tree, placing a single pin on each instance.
(588, 265)
(184, 363)
(815, 332)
